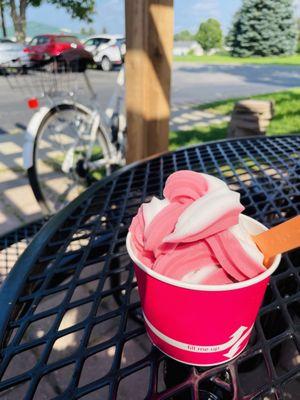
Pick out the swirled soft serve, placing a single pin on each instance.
(197, 233)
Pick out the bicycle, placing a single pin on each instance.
(68, 145)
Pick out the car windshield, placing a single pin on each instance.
(38, 40)
(89, 42)
(66, 39)
(98, 41)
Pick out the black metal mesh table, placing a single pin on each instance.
(70, 319)
(13, 243)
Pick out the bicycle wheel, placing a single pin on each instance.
(60, 157)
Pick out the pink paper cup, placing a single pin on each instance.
(201, 325)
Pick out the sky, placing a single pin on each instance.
(110, 14)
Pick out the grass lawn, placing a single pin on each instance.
(226, 59)
(285, 121)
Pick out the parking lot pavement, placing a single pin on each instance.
(204, 83)
(14, 113)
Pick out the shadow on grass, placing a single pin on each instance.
(285, 121)
(197, 135)
(282, 99)
(224, 107)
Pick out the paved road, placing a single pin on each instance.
(13, 107)
(192, 83)
(198, 83)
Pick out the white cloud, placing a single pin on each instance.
(205, 5)
(210, 8)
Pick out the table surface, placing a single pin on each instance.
(70, 321)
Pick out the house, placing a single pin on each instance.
(182, 48)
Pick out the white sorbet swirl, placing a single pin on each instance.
(240, 232)
(214, 183)
(151, 209)
(203, 212)
(198, 276)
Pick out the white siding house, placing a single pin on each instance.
(182, 48)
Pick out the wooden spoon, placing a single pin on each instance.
(277, 240)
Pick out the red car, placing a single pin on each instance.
(43, 47)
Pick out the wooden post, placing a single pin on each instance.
(149, 40)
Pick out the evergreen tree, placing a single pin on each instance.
(263, 28)
(298, 35)
(209, 35)
(231, 38)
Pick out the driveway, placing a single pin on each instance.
(192, 83)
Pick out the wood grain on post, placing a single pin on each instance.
(149, 40)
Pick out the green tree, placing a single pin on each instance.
(263, 28)
(87, 32)
(209, 34)
(92, 31)
(82, 9)
(184, 35)
(232, 34)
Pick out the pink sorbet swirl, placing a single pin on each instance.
(195, 234)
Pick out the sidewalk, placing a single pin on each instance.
(17, 203)
(185, 117)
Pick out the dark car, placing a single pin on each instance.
(45, 47)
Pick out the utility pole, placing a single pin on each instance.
(149, 42)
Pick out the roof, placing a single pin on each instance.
(5, 40)
(185, 43)
(55, 34)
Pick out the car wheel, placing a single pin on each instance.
(106, 64)
(24, 70)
